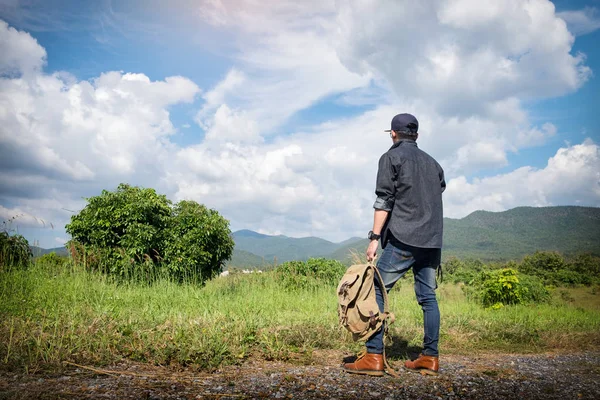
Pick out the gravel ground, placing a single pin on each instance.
(492, 376)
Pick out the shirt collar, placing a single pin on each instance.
(409, 142)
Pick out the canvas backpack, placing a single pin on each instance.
(358, 311)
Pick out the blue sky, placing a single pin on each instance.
(273, 112)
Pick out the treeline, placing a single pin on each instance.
(552, 268)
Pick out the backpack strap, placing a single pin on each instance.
(386, 307)
(386, 314)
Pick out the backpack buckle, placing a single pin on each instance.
(372, 319)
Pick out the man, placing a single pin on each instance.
(408, 219)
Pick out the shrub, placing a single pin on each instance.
(197, 242)
(500, 286)
(568, 277)
(135, 234)
(505, 286)
(533, 290)
(555, 270)
(51, 261)
(466, 271)
(586, 264)
(14, 251)
(541, 263)
(310, 273)
(129, 219)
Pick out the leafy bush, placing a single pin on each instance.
(533, 290)
(505, 286)
(130, 218)
(51, 261)
(197, 241)
(467, 271)
(310, 273)
(541, 263)
(134, 233)
(553, 269)
(14, 251)
(568, 277)
(586, 264)
(501, 286)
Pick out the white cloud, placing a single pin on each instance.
(462, 56)
(287, 60)
(572, 176)
(581, 22)
(21, 54)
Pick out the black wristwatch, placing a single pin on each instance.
(373, 236)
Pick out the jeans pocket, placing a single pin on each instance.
(402, 255)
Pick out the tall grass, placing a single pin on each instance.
(51, 313)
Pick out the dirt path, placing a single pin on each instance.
(546, 376)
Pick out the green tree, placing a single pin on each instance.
(541, 263)
(135, 232)
(586, 264)
(197, 241)
(128, 223)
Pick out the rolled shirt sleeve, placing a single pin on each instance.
(385, 188)
(442, 180)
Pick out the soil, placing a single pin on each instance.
(490, 376)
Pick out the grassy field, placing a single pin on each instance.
(53, 314)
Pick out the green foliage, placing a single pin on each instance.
(533, 290)
(586, 264)
(311, 273)
(553, 269)
(506, 287)
(130, 218)
(135, 234)
(51, 261)
(465, 271)
(542, 262)
(197, 241)
(501, 286)
(14, 251)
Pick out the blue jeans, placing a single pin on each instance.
(396, 260)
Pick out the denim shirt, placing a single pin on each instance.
(410, 185)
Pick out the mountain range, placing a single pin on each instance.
(484, 235)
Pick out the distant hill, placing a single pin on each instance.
(282, 248)
(523, 230)
(38, 251)
(484, 235)
(244, 259)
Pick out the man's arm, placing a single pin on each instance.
(379, 218)
(386, 194)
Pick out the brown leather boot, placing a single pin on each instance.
(426, 365)
(366, 364)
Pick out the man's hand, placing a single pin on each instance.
(372, 250)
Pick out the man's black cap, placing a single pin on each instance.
(404, 123)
